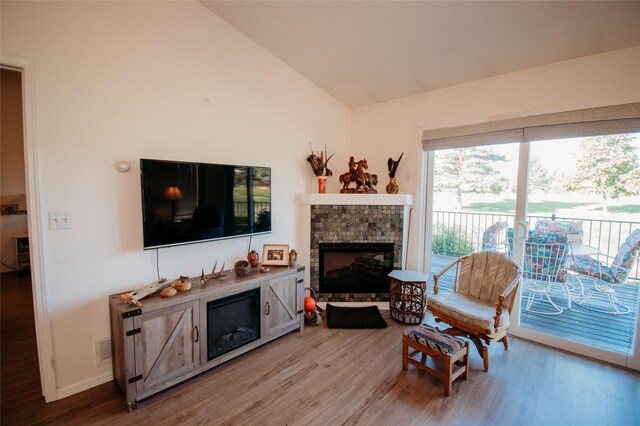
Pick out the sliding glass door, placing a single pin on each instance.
(582, 207)
(563, 209)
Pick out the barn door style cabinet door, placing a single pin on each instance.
(282, 307)
(165, 341)
(167, 346)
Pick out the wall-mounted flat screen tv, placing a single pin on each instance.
(185, 203)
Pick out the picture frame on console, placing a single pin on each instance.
(275, 254)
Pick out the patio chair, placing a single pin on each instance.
(572, 229)
(479, 307)
(545, 264)
(510, 238)
(607, 277)
(569, 233)
(493, 238)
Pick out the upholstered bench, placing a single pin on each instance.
(431, 342)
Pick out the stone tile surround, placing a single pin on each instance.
(362, 218)
(354, 224)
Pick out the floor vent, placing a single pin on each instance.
(103, 351)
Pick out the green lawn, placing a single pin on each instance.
(628, 208)
(587, 205)
(508, 205)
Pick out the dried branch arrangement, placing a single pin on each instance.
(393, 165)
(319, 162)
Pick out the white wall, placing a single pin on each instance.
(385, 130)
(169, 80)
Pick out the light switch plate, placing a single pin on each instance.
(60, 220)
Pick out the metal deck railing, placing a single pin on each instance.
(466, 229)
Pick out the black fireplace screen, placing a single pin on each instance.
(355, 267)
(232, 322)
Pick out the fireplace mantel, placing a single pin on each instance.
(369, 204)
(356, 199)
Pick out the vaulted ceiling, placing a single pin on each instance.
(364, 52)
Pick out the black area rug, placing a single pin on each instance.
(354, 317)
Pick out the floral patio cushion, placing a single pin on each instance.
(589, 266)
(546, 260)
(628, 251)
(620, 266)
(634, 238)
(572, 229)
(510, 241)
(490, 236)
(544, 236)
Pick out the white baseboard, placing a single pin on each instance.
(383, 306)
(84, 385)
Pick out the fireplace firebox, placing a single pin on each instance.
(355, 267)
(232, 322)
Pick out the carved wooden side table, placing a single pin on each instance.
(407, 295)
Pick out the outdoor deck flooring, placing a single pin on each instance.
(579, 324)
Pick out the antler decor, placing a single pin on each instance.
(214, 275)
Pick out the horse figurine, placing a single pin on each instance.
(361, 178)
(364, 181)
(346, 178)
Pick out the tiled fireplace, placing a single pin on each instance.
(361, 220)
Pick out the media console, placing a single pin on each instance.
(169, 340)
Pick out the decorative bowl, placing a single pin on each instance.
(241, 267)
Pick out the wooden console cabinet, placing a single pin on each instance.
(164, 342)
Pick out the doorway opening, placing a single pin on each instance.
(19, 353)
(30, 170)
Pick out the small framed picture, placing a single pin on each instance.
(275, 254)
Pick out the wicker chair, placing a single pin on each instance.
(480, 304)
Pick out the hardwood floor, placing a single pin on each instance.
(325, 376)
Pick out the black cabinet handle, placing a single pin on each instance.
(268, 308)
(197, 334)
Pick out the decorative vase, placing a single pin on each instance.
(253, 258)
(392, 186)
(322, 184)
(293, 259)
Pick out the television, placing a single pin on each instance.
(184, 202)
